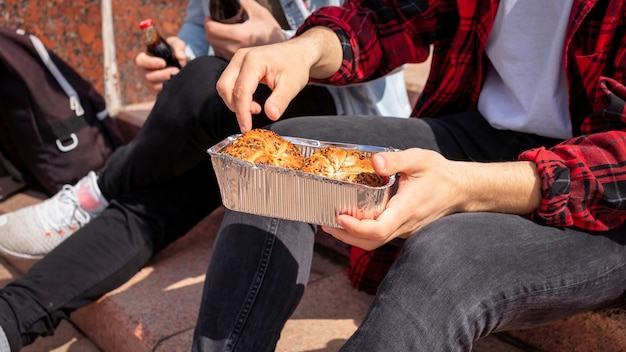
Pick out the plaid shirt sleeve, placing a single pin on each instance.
(375, 42)
(583, 180)
(381, 35)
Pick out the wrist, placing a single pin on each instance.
(323, 52)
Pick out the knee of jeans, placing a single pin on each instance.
(443, 257)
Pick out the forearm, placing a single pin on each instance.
(507, 187)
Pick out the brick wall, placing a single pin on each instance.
(73, 30)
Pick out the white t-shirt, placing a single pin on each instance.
(526, 85)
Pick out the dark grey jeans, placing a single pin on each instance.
(456, 280)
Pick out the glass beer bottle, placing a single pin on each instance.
(227, 11)
(155, 44)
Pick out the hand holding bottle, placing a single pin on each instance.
(154, 71)
(162, 58)
(260, 28)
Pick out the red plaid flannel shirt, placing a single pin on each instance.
(582, 178)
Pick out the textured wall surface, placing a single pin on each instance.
(73, 30)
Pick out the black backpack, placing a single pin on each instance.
(54, 126)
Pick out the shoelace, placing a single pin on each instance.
(63, 210)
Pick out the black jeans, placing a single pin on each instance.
(457, 279)
(159, 186)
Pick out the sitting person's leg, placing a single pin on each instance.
(143, 221)
(188, 117)
(468, 275)
(456, 280)
(453, 136)
(257, 274)
(104, 254)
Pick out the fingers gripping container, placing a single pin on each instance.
(296, 195)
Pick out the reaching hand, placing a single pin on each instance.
(284, 67)
(259, 29)
(154, 71)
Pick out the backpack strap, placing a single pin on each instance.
(66, 139)
(65, 85)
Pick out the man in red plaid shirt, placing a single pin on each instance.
(580, 178)
(512, 187)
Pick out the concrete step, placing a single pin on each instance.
(602, 331)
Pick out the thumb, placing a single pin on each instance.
(277, 102)
(405, 161)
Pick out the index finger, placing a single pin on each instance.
(237, 93)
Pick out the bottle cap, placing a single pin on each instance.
(148, 22)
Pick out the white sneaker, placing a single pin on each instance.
(34, 231)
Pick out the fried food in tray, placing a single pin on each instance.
(249, 182)
(343, 164)
(264, 147)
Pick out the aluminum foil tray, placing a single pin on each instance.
(295, 195)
